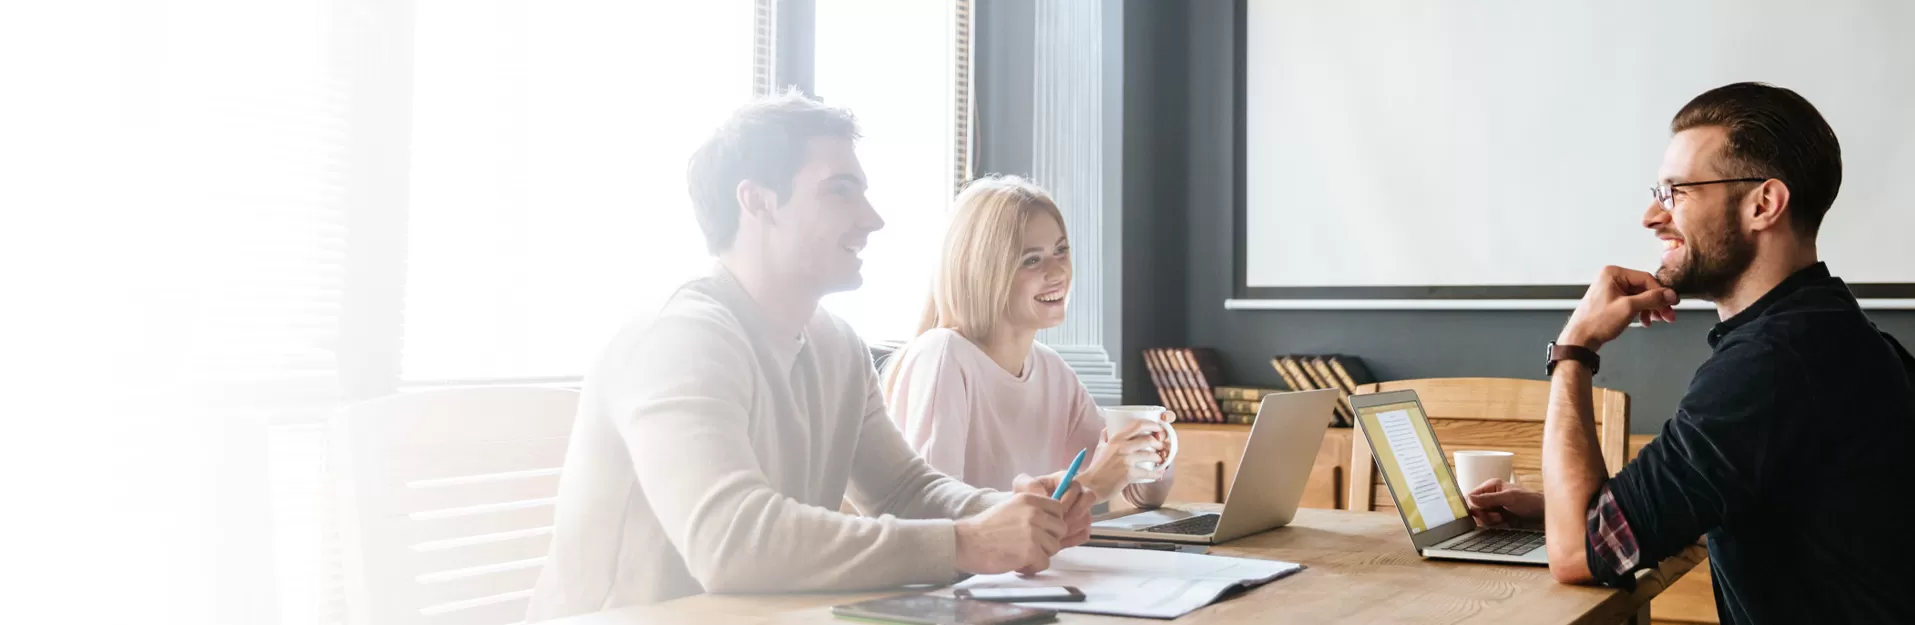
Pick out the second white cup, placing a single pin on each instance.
(1475, 467)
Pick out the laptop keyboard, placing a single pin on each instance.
(1500, 542)
(1193, 526)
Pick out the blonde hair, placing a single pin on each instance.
(981, 248)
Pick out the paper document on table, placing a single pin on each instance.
(1136, 582)
(1414, 463)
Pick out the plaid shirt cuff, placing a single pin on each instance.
(1613, 554)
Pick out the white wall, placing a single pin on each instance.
(1412, 143)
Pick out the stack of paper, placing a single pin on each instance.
(1139, 582)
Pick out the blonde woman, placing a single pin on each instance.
(975, 393)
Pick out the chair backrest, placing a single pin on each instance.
(1495, 414)
(446, 501)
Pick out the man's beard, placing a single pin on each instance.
(1710, 267)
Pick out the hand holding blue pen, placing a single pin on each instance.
(1064, 485)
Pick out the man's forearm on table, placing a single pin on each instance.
(1573, 470)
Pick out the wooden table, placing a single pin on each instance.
(1360, 570)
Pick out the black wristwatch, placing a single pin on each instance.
(1577, 353)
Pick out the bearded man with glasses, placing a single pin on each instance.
(1794, 437)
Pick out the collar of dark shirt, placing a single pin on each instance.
(1807, 276)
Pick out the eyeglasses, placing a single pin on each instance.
(1665, 194)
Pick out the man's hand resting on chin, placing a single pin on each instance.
(1618, 297)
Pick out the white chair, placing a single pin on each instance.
(446, 501)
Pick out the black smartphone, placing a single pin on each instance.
(1048, 593)
(929, 610)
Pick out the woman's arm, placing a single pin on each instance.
(1110, 468)
(926, 397)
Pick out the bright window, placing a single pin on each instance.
(548, 197)
(894, 65)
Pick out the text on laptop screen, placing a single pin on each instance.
(1406, 451)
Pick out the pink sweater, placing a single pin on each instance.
(975, 421)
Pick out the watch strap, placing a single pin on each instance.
(1578, 353)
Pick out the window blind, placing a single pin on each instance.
(964, 113)
(197, 250)
(238, 120)
(764, 46)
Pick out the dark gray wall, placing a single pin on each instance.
(1156, 150)
(1179, 170)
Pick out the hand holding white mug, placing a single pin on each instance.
(1117, 458)
(1143, 438)
(1473, 468)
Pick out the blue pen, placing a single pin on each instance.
(1064, 485)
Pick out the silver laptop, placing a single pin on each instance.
(1277, 458)
(1426, 495)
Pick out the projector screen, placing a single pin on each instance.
(1504, 149)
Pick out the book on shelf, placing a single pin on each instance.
(1206, 371)
(1289, 381)
(1320, 366)
(1347, 371)
(1244, 393)
(1173, 391)
(1308, 363)
(1293, 373)
(1158, 380)
(1350, 369)
(1167, 393)
(1341, 372)
(1180, 394)
(1194, 398)
(1239, 406)
(1186, 379)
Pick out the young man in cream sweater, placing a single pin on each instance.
(717, 437)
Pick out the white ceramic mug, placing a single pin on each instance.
(1475, 467)
(1116, 418)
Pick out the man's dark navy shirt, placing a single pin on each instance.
(1794, 453)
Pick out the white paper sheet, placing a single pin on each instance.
(1414, 462)
(1136, 582)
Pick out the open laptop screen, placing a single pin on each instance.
(1406, 451)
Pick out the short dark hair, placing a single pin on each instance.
(1773, 133)
(763, 142)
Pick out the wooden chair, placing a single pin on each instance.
(446, 500)
(1496, 414)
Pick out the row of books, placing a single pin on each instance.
(1189, 382)
(1332, 371)
(1184, 377)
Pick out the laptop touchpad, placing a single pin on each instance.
(1144, 519)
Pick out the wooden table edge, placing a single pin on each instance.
(1619, 607)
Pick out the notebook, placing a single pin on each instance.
(1140, 582)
